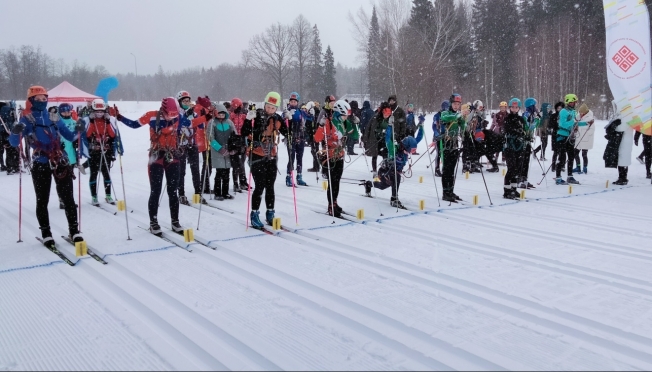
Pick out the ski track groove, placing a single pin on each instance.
(401, 295)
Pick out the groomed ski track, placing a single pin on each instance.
(554, 282)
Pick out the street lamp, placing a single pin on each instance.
(136, 66)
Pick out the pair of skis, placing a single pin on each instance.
(54, 249)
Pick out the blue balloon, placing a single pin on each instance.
(105, 86)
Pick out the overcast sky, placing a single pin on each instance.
(174, 34)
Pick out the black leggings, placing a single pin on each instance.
(514, 161)
(191, 155)
(565, 150)
(264, 174)
(206, 182)
(585, 157)
(448, 170)
(239, 172)
(524, 166)
(42, 179)
(647, 146)
(94, 162)
(221, 181)
(393, 181)
(156, 172)
(336, 170)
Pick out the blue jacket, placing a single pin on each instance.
(410, 120)
(436, 126)
(44, 136)
(402, 157)
(298, 125)
(567, 123)
(367, 114)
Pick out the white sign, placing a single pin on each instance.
(628, 61)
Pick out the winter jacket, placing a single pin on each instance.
(567, 124)
(297, 126)
(374, 135)
(239, 119)
(499, 122)
(402, 157)
(332, 132)
(585, 134)
(221, 133)
(263, 135)
(614, 138)
(366, 116)
(69, 147)
(411, 125)
(44, 136)
(553, 125)
(514, 130)
(100, 133)
(352, 130)
(452, 122)
(400, 121)
(436, 126)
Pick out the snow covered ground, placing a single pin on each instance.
(560, 281)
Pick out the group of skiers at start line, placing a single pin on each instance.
(228, 134)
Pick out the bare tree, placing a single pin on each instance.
(301, 37)
(271, 53)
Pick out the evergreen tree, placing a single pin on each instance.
(374, 67)
(330, 84)
(421, 16)
(315, 68)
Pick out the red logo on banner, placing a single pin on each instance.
(625, 58)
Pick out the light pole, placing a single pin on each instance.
(136, 66)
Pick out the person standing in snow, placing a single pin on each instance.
(8, 116)
(532, 122)
(49, 161)
(498, 123)
(553, 127)
(514, 129)
(262, 129)
(645, 157)
(296, 121)
(190, 141)
(410, 123)
(311, 127)
(437, 135)
(333, 132)
(585, 137)
(453, 125)
(400, 119)
(365, 116)
(164, 154)
(374, 136)
(618, 152)
(543, 132)
(238, 115)
(221, 130)
(566, 137)
(100, 134)
(352, 132)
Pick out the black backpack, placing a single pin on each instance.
(614, 138)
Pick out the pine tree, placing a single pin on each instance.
(330, 84)
(421, 16)
(315, 69)
(374, 67)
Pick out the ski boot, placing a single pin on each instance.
(219, 198)
(269, 217)
(332, 211)
(449, 197)
(75, 235)
(572, 181)
(109, 199)
(620, 182)
(456, 196)
(183, 200)
(437, 173)
(300, 180)
(509, 194)
(94, 201)
(577, 170)
(649, 175)
(288, 181)
(395, 203)
(313, 170)
(154, 227)
(367, 188)
(227, 196)
(176, 227)
(202, 200)
(493, 170)
(584, 170)
(560, 181)
(254, 218)
(338, 209)
(48, 241)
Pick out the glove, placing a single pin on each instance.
(113, 111)
(312, 112)
(391, 120)
(251, 115)
(54, 117)
(18, 128)
(190, 112)
(107, 116)
(422, 118)
(288, 114)
(322, 122)
(223, 151)
(81, 169)
(356, 120)
(80, 126)
(232, 152)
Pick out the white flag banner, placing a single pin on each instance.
(628, 61)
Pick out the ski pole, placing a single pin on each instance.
(122, 179)
(79, 180)
(206, 165)
(294, 192)
(251, 149)
(328, 164)
(20, 191)
(358, 157)
(482, 173)
(434, 179)
(395, 175)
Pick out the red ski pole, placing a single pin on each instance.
(79, 179)
(251, 149)
(294, 191)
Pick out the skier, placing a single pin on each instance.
(438, 134)
(392, 168)
(498, 123)
(262, 129)
(566, 136)
(221, 137)
(327, 112)
(585, 137)
(311, 127)
(618, 152)
(453, 125)
(353, 134)
(514, 129)
(8, 116)
(100, 134)
(365, 116)
(400, 125)
(645, 157)
(411, 125)
(333, 132)
(532, 122)
(164, 154)
(553, 127)
(543, 132)
(49, 161)
(238, 114)
(189, 147)
(295, 119)
(373, 138)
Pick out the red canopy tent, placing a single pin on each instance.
(66, 92)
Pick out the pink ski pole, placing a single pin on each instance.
(20, 188)
(251, 149)
(294, 191)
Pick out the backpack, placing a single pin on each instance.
(614, 138)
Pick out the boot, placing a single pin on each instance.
(236, 188)
(94, 201)
(622, 176)
(493, 170)
(202, 200)
(449, 197)
(109, 199)
(74, 234)
(46, 234)
(649, 175)
(515, 193)
(577, 170)
(288, 181)
(154, 227)
(572, 181)
(456, 196)
(269, 216)
(254, 218)
(437, 173)
(313, 170)
(584, 170)
(183, 200)
(508, 194)
(560, 181)
(338, 209)
(394, 202)
(176, 227)
(367, 188)
(332, 211)
(227, 196)
(300, 180)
